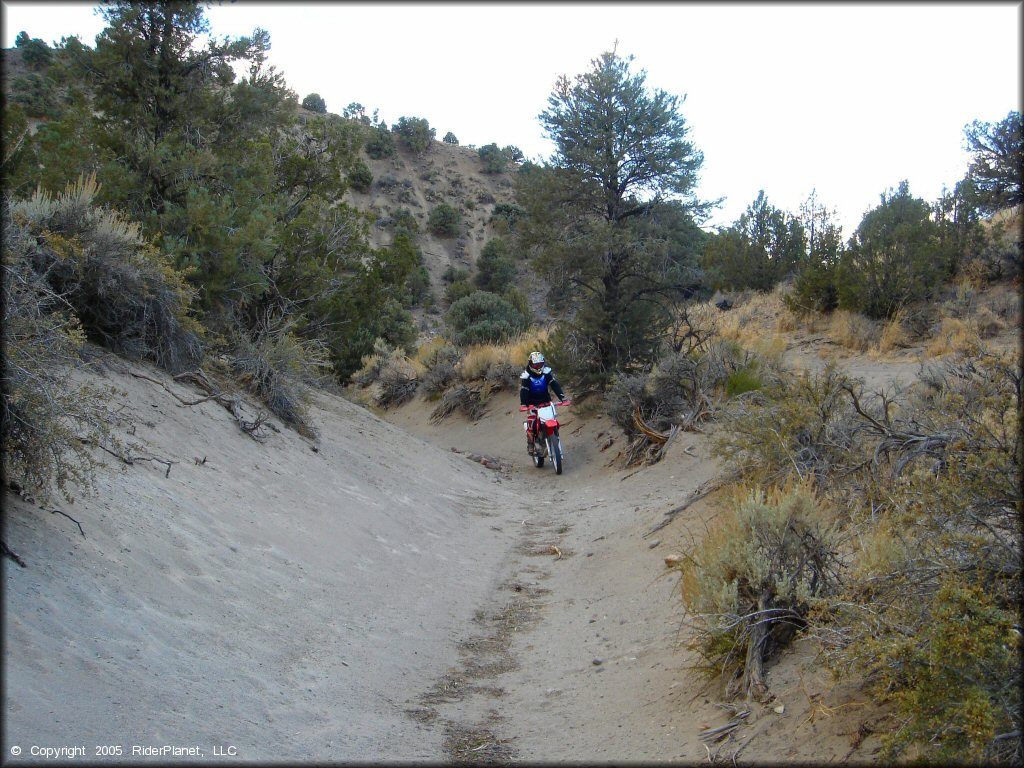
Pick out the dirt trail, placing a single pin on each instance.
(581, 653)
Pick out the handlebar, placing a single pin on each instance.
(535, 407)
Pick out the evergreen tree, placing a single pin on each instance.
(896, 256)
(598, 212)
(997, 170)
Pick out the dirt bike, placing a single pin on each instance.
(542, 424)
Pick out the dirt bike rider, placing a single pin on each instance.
(533, 388)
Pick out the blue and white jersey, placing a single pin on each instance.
(533, 389)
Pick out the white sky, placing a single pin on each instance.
(847, 99)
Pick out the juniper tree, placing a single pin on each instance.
(612, 216)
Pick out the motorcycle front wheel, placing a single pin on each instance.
(555, 452)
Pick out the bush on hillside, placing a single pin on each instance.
(457, 290)
(414, 133)
(381, 143)
(126, 295)
(450, 138)
(360, 176)
(483, 318)
(505, 216)
(494, 160)
(444, 221)
(314, 102)
(495, 267)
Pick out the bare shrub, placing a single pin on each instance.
(469, 399)
(48, 419)
(280, 367)
(929, 612)
(797, 425)
(125, 293)
(751, 582)
(440, 370)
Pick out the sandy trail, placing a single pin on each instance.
(382, 598)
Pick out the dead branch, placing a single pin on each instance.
(13, 555)
(231, 403)
(69, 517)
(704, 489)
(127, 458)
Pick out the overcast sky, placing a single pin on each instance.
(847, 99)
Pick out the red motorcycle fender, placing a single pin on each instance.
(551, 424)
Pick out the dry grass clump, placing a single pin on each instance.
(393, 378)
(894, 333)
(481, 359)
(438, 360)
(955, 336)
(853, 331)
(752, 317)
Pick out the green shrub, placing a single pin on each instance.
(444, 221)
(403, 220)
(37, 95)
(453, 274)
(495, 268)
(360, 177)
(494, 160)
(34, 52)
(314, 102)
(896, 256)
(414, 133)
(457, 290)
(518, 299)
(381, 143)
(449, 138)
(483, 318)
(506, 215)
(742, 380)
(814, 290)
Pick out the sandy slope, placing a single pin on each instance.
(380, 598)
(276, 599)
